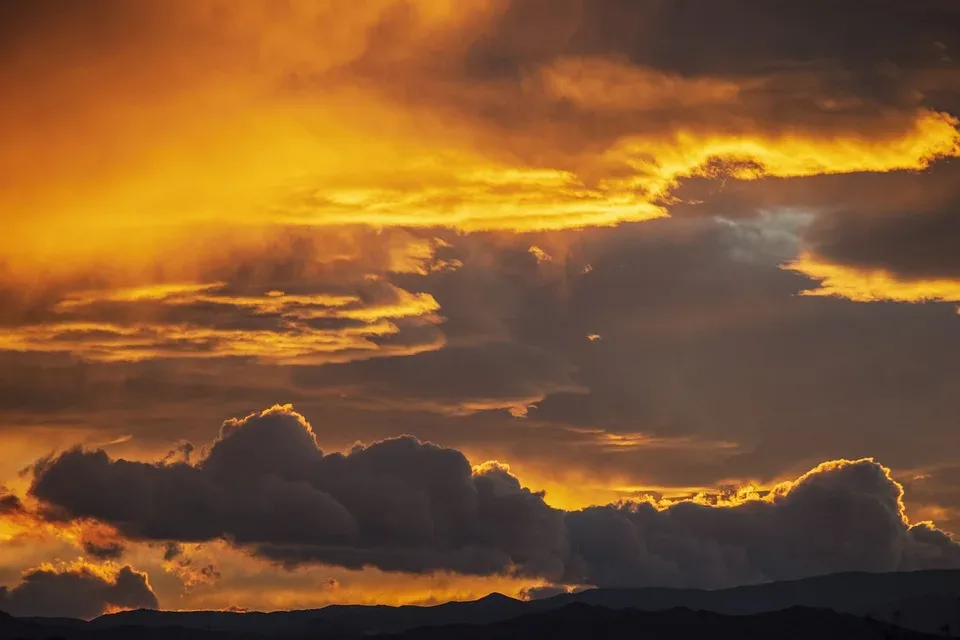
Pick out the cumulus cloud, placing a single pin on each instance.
(398, 504)
(840, 516)
(404, 505)
(77, 591)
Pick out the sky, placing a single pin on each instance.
(313, 301)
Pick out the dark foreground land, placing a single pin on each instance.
(905, 606)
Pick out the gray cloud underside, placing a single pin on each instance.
(76, 593)
(404, 505)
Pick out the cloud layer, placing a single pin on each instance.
(404, 505)
(526, 115)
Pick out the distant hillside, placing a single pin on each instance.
(585, 621)
(573, 621)
(922, 601)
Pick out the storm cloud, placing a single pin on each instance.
(398, 504)
(409, 506)
(77, 592)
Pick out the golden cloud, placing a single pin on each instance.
(871, 285)
(303, 115)
(281, 328)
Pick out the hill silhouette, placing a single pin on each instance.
(859, 603)
(571, 621)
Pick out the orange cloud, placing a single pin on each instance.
(291, 339)
(660, 163)
(871, 285)
(304, 116)
(26, 525)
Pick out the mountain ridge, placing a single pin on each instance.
(924, 601)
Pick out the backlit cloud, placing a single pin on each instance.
(191, 321)
(403, 505)
(872, 285)
(78, 590)
(256, 122)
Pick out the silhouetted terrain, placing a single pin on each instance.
(571, 621)
(850, 606)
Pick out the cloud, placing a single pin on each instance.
(906, 254)
(198, 321)
(871, 285)
(172, 550)
(403, 505)
(541, 255)
(216, 155)
(691, 313)
(840, 516)
(191, 574)
(456, 380)
(10, 503)
(546, 591)
(306, 299)
(525, 116)
(111, 550)
(77, 591)
(397, 504)
(917, 242)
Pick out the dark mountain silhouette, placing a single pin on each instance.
(585, 621)
(924, 601)
(576, 620)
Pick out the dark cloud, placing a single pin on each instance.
(889, 193)
(913, 245)
(703, 339)
(109, 550)
(704, 336)
(404, 505)
(454, 379)
(872, 82)
(172, 551)
(398, 504)
(838, 517)
(737, 38)
(76, 593)
(901, 222)
(10, 503)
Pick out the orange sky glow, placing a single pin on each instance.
(613, 263)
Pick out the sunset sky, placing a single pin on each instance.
(403, 301)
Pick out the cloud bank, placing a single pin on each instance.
(409, 506)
